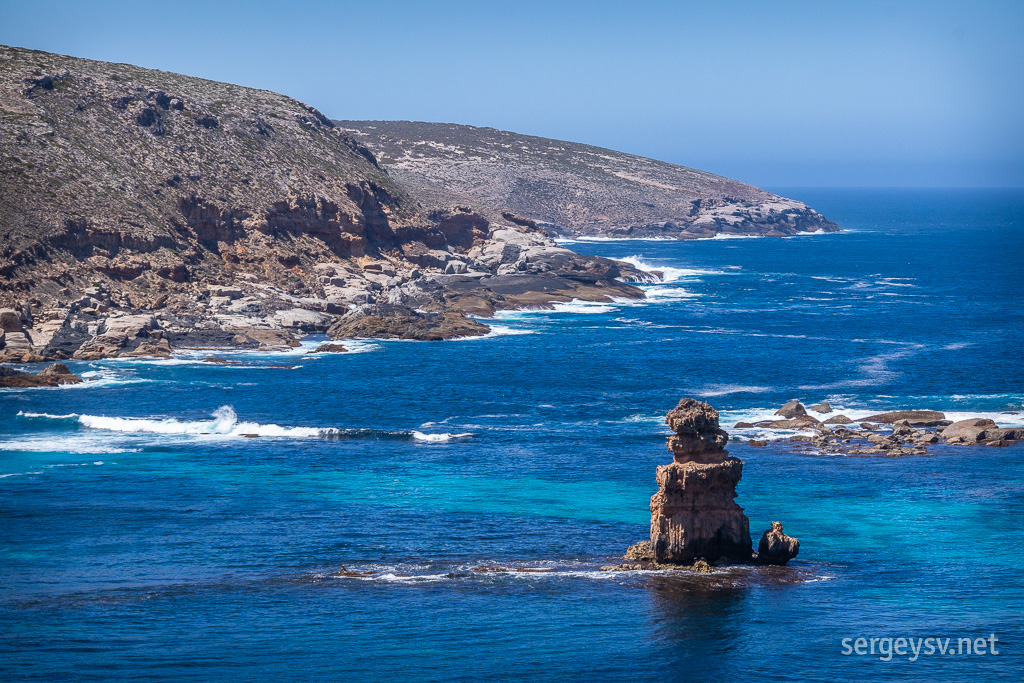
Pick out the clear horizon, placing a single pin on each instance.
(800, 94)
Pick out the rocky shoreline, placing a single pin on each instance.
(892, 434)
(144, 212)
(384, 296)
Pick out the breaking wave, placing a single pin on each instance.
(225, 424)
(668, 273)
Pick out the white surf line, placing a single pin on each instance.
(225, 424)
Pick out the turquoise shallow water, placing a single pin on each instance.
(144, 536)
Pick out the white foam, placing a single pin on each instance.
(726, 389)
(596, 238)
(225, 424)
(75, 444)
(439, 438)
(661, 294)
(577, 306)
(48, 416)
(669, 273)
(730, 236)
(360, 346)
(639, 417)
(504, 331)
(584, 307)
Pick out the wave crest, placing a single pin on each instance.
(225, 423)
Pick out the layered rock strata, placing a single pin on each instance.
(695, 521)
(694, 514)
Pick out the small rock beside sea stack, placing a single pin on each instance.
(776, 547)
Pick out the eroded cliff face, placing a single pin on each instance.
(694, 514)
(142, 211)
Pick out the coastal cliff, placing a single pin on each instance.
(143, 211)
(573, 189)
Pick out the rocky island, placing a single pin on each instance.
(695, 521)
(892, 434)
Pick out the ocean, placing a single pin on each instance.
(177, 519)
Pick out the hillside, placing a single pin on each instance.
(575, 189)
(143, 211)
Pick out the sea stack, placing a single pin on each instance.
(694, 514)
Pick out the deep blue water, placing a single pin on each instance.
(149, 548)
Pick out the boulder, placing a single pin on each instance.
(51, 376)
(838, 420)
(454, 267)
(640, 552)
(1004, 434)
(918, 418)
(967, 431)
(824, 408)
(329, 348)
(222, 291)
(305, 320)
(792, 409)
(10, 320)
(902, 428)
(799, 423)
(776, 547)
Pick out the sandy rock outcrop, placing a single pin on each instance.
(694, 514)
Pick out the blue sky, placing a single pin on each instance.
(774, 93)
